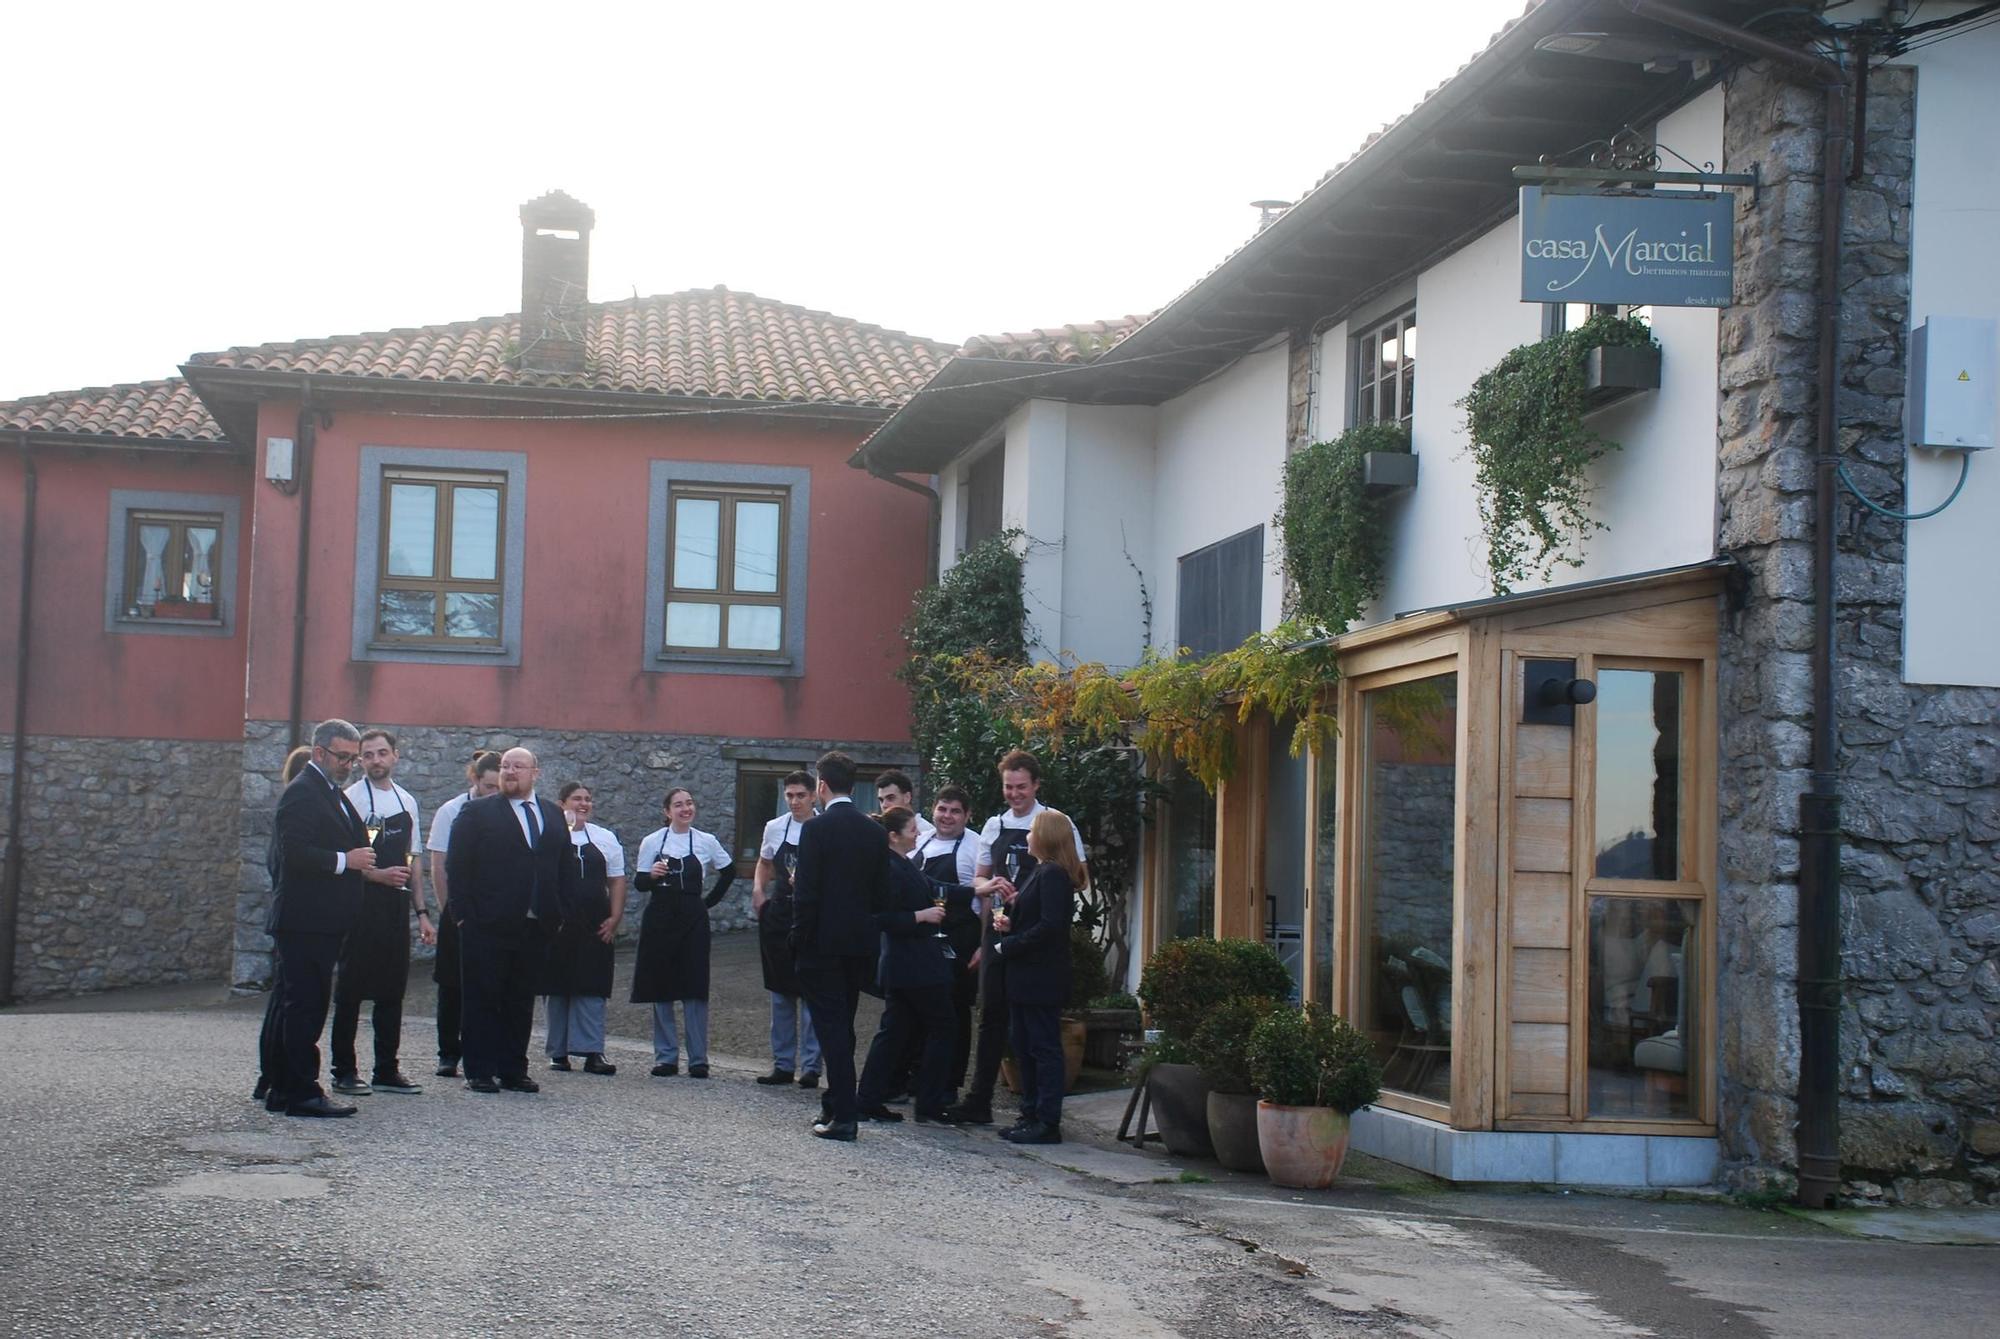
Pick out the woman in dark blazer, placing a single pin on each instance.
(1034, 945)
(915, 976)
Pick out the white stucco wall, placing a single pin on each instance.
(1951, 607)
(1219, 464)
(1109, 516)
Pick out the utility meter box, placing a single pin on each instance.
(1954, 361)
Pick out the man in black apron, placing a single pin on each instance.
(794, 1047)
(950, 860)
(375, 960)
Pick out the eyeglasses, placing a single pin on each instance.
(343, 758)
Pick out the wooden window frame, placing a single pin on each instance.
(441, 583)
(1399, 324)
(724, 593)
(178, 523)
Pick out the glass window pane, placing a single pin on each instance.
(755, 627)
(1392, 352)
(757, 548)
(408, 613)
(1190, 857)
(153, 541)
(697, 535)
(1285, 851)
(1409, 406)
(1409, 812)
(1638, 774)
(472, 614)
(198, 561)
(690, 624)
(475, 534)
(412, 530)
(1644, 1006)
(1326, 871)
(1409, 341)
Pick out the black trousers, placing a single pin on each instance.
(992, 1037)
(446, 971)
(911, 1015)
(388, 1023)
(1038, 1052)
(964, 999)
(271, 1041)
(304, 986)
(500, 962)
(833, 991)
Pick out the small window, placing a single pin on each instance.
(1221, 594)
(984, 488)
(439, 570)
(1385, 371)
(173, 561)
(1569, 315)
(726, 557)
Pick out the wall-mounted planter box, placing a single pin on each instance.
(1612, 372)
(1388, 472)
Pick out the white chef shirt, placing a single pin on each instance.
(394, 800)
(990, 834)
(968, 854)
(606, 841)
(665, 843)
(441, 821)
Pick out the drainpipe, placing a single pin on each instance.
(10, 891)
(304, 457)
(1819, 806)
(937, 514)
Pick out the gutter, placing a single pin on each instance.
(307, 431)
(1819, 982)
(10, 890)
(931, 564)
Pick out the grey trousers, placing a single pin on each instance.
(576, 1025)
(666, 1042)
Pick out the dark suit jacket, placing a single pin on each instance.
(495, 879)
(314, 825)
(1036, 948)
(842, 882)
(912, 954)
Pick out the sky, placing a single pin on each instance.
(194, 177)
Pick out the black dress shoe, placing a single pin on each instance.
(939, 1117)
(397, 1082)
(597, 1064)
(447, 1069)
(843, 1130)
(560, 1064)
(697, 1071)
(970, 1113)
(880, 1113)
(665, 1071)
(318, 1106)
(263, 1089)
(809, 1079)
(521, 1084)
(775, 1078)
(275, 1104)
(1035, 1133)
(482, 1085)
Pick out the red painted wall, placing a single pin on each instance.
(83, 680)
(584, 595)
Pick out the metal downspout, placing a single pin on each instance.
(936, 520)
(1819, 807)
(307, 430)
(10, 891)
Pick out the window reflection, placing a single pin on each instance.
(1638, 774)
(1326, 872)
(1190, 857)
(1643, 1006)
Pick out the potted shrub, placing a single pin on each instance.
(1312, 1070)
(1108, 1020)
(1184, 982)
(1221, 1049)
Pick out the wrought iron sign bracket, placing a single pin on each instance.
(1590, 180)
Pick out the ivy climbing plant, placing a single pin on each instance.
(1532, 450)
(1333, 529)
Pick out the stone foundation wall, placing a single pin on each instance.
(129, 865)
(628, 775)
(1919, 765)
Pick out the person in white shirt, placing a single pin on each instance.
(794, 1046)
(949, 858)
(894, 790)
(482, 775)
(578, 972)
(375, 960)
(672, 961)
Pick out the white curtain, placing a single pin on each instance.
(153, 580)
(201, 580)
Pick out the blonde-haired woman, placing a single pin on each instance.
(1034, 945)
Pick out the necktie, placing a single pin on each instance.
(534, 823)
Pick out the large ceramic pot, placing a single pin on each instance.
(1180, 1109)
(1232, 1128)
(1303, 1147)
(1074, 1035)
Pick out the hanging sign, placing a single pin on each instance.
(1668, 249)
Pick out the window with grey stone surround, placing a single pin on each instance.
(166, 552)
(695, 493)
(502, 473)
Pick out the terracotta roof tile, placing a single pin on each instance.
(1055, 344)
(140, 411)
(703, 343)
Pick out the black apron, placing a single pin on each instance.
(673, 933)
(960, 923)
(774, 922)
(375, 956)
(579, 963)
(1011, 862)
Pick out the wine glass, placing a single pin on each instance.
(373, 827)
(791, 867)
(937, 900)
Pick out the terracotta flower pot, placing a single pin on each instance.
(1303, 1147)
(1074, 1035)
(1232, 1128)
(1180, 1109)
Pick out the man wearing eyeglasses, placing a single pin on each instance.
(321, 856)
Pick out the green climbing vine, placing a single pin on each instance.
(1333, 529)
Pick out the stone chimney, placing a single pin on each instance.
(555, 276)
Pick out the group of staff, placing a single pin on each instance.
(939, 922)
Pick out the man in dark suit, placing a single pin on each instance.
(511, 872)
(842, 883)
(320, 855)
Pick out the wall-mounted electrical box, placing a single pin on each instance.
(278, 459)
(1954, 362)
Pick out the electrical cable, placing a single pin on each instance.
(1964, 470)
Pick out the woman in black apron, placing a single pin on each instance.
(673, 931)
(577, 975)
(794, 1047)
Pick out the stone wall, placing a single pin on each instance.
(628, 775)
(1919, 766)
(128, 862)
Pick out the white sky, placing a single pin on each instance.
(273, 172)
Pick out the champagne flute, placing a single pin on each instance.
(373, 827)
